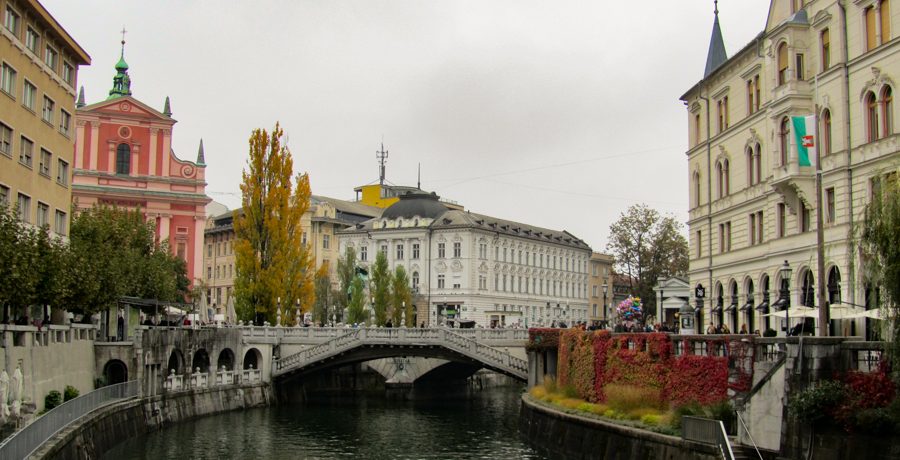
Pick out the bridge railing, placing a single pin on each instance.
(24, 442)
(326, 333)
(707, 431)
(443, 336)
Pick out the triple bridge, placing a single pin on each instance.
(299, 351)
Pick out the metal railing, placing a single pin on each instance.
(747, 430)
(25, 441)
(707, 431)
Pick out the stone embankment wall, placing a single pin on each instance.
(50, 358)
(93, 435)
(572, 436)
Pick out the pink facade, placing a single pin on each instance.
(123, 156)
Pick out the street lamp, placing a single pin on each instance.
(297, 314)
(605, 291)
(785, 300)
(278, 312)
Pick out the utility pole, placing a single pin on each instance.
(824, 312)
(381, 155)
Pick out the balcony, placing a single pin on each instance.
(796, 184)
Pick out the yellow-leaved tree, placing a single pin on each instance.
(271, 260)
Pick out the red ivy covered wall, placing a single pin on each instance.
(588, 361)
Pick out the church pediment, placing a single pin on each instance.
(126, 105)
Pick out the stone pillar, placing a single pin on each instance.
(95, 146)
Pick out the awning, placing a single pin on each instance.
(717, 309)
(747, 306)
(763, 306)
(731, 307)
(779, 304)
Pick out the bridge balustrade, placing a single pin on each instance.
(199, 379)
(224, 377)
(251, 375)
(174, 382)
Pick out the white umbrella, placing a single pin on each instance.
(796, 312)
(170, 310)
(874, 313)
(230, 315)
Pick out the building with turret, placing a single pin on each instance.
(124, 157)
(753, 203)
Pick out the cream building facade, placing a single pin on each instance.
(321, 222)
(601, 288)
(465, 266)
(38, 75)
(752, 207)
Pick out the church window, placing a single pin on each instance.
(123, 159)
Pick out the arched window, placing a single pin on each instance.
(826, 132)
(808, 290)
(751, 176)
(834, 285)
(415, 281)
(757, 163)
(695, 182)
(887, 116)
(719, 181)
(726, 175)
(749, 307)
(123, 159)
(783, 142)
(782, 63)
(871, 117)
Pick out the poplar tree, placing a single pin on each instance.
(380, 285)
(880, 246)
(272, 261)
(356, 309)
(401, 295)
(346, 270)
(323, 286)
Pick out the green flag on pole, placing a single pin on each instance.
(804, 134)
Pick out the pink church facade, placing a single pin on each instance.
(123, 157)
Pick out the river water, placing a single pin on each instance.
(483, 424)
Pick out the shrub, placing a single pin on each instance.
(625, 398)
(640, 413)
(538, 392)
(876, 422)
(587, 407)
(689, 410)
(569, 391)
(651, 419)
(53, 399)
(70, 393)
(770, 333)
(550, 384)
(818, 402)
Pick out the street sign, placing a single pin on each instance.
(699, 291)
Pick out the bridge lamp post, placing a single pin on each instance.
(785, 293)
(297, 314)
(605, 317)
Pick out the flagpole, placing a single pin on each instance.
(824, 312)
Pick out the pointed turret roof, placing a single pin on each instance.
(716, 55)
(80, 102)
(201, 158)
(121, 82)
(167, 108)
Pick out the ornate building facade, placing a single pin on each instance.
(471, 267)
(124, 157)
(752, 206)
(38, 75)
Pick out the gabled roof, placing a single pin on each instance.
(349, 207)
(114, 103)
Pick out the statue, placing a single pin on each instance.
(4, 396)
(15, 395)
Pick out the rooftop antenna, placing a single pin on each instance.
(419, 180)
(381, 155)
(716, 7)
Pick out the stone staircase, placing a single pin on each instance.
(742, 452)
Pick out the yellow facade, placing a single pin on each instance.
(376, 195)
(38, 74)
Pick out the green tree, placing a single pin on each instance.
(402, 298)
(356, 312)
(346, 271)
(272, 262)
(647, 246)
(380, 285)
(133, 262)
(323, 293)
(881, 253)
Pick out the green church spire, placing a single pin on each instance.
(121, 82)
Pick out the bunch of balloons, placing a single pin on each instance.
(630, 310)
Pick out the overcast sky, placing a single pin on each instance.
(556, 113)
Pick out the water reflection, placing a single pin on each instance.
(484, 425)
